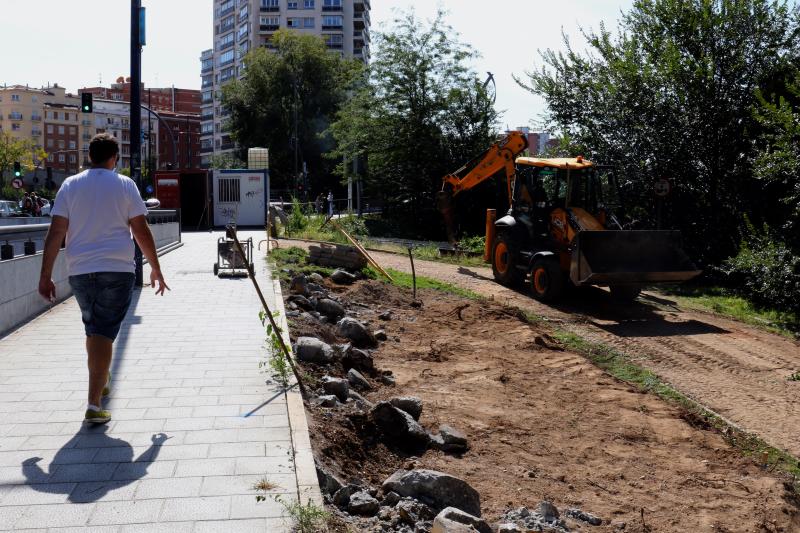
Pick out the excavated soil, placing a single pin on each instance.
(736, 370)
(543, 423)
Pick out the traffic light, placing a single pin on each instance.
(17, 169)
(86, 102)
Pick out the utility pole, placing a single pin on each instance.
(296, 139)
(137, 41)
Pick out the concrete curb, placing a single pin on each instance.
(305, 469)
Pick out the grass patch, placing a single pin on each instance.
(308, 517)
(622, 368)
(403, 279)
(723, 302)
(296, 260)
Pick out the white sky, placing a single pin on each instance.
(45, 41)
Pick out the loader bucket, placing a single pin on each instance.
(629, 257)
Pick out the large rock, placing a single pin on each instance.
(452, 520)
(316, 277)
(313, 350)
(343, 277)
(453, 440)
(299, 285)
(328, 483)
(301, 301)
(341, 498)
(361, 503)
(411, 511)
(352, 329)
(361, 402)
(399, 427)
(357, 381)
(440, 489)
(358, 359)
(410, 404)
(336, 386)
(330, 309)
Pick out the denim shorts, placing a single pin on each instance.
(104, 298)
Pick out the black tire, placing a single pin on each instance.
(547, 280)
(625, 293)
(504, 262)
(216, 269)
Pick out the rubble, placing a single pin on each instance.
(357, 380)
(380, 335)
(452, 520)
(437, 488)
(341, 497)
(326, 400)
(410, 404)
(398, 427)
(343, 277)
(583, 516)
(361, 503)
(328, 483)
(313, 350)
(352, 329)
(336, 386)
(545, 518)
(358, 359)
(299, 285)
(317, 278)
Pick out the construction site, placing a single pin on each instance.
(558, 386)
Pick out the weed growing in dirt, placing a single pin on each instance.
(308, 517)
(620, 367)
(277, 359)
(402, 279)
(794, 377)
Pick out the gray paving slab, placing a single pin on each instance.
(195, 426)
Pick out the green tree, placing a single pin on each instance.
(18, 150)
(671, 95)
(226, 161)
(421, 113)
(300, 75)
(778, 161)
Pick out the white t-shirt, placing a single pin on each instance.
(99, 204)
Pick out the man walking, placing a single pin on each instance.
(97, 211)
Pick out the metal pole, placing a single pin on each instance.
(136, 117)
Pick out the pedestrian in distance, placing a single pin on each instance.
(330, 204)
(36, 205)
(27, 204)
(97, 211)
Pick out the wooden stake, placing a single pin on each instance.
(413, 273)
(231, 232)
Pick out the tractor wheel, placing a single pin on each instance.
(625, 293)
(216, 269)
(505, 261)
(547, 280)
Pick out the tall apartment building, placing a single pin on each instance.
(243, 25)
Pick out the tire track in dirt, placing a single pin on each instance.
(737, 370)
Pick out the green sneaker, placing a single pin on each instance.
(97, 417)
(107, 388)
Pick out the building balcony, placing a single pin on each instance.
(227, 146)
(15, 116)
(227, 11)
(269, 27)
(208, 117)
(333, 27)
(207, 69)
(270, 9)
(36, 118)
(331, 8)
(335, 46)
(86, 122)
(206, 149)
(36, 133)
(224, 46)
(206, 84)
(225, 29)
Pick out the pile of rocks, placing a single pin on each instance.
(409, 501)
(545, 518)
(338, 255)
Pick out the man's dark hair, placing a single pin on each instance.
(102, 148)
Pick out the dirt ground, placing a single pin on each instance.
(738, 371)
(543, 423)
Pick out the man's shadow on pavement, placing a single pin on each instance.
(74, 464)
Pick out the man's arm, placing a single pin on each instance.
(52, 244)
(144, 237)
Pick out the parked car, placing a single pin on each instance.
(10, 208)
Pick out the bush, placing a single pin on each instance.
(766, 271)
(298, 218)
(10, 193)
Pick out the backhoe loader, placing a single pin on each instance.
(561, 227)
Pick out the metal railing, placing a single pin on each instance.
(29, 234)
(163, 216)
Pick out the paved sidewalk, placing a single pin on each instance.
(195, 424)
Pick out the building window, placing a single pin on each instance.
(291, 5)
(308, 4)
(334, 41)
(308, 22)
(226, 58)
(243, 13)
(72, 158)
(272, 22)
(293, 23)
(225, 42)
(207, 64)
(242, 31)
(207, 127)
(55, 115)
(16, 127)
(271, 5)
(50, 129)
(331, 5)
(61, 158)
(49, 143)
(72, 145)
(61, 145)
(73, 130)
(15, 98)
(34, 99)
(332, 21)
(229, 190)
(61, 130)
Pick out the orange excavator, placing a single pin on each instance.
(562, 227)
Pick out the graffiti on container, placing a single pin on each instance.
(254, 193)
(228, 212)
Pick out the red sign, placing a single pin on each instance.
(17, 183)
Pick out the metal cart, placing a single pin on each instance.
(229, 261)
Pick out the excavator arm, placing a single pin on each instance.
(499, 156)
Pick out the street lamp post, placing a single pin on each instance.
(137, 40)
